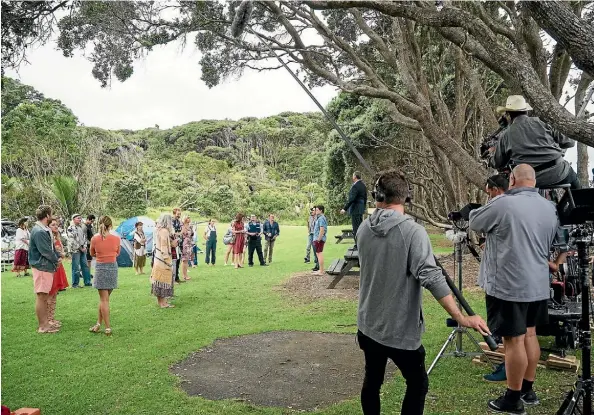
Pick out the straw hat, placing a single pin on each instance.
(514, 103)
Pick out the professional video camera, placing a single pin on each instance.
(492, 138)
(463, 214)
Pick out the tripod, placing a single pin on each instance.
(458, 332)
(582, 391)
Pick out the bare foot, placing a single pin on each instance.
(49, 329)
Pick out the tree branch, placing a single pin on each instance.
(568, 29)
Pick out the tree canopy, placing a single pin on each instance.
(433, 66)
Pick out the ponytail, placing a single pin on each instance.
(104, 226)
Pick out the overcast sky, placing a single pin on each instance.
(166, 89)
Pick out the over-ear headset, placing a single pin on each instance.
(379, 193)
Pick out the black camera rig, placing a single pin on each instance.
(492, 139)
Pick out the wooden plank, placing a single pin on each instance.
(345, 269)
(570, 359)
(336, 266)
(352, 254)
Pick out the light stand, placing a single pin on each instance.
(460, 239)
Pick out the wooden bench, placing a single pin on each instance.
(341, 267)
(345, 234)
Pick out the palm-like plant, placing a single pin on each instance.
(65, 190)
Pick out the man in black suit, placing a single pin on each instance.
(357, 203)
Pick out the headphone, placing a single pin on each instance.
(379, 193)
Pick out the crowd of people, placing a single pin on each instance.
(174, 248)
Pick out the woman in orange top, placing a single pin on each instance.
(105, 247)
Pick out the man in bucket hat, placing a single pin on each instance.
(528, 140)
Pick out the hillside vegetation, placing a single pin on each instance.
(211, 167)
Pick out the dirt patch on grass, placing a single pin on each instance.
(308, 287)
(297, 370)
(470, 270)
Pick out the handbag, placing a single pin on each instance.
(229, 238)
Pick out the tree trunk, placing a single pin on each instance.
(582, 97)
(582, 164)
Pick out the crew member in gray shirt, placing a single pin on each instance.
(396, 261)
(520, 227)
(528, 140)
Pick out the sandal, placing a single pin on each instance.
(168, 306)
(187, 279)
(48, 330)
(95, 329)
(108, 332)
(55, 323)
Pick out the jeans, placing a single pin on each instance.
(412, 366)
(255, 244)
(211, 252)
(268, 248)
(195, 253)
(309, 247)
(175, 270)
(314, 251)
(79, 264)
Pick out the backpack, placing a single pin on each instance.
(229, 237)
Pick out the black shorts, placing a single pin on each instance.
(511, 318)
(89, 257)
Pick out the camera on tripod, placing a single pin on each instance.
(464, 213)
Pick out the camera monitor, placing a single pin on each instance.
(576, 207)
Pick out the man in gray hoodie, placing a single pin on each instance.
(396, 261)
(520, 226)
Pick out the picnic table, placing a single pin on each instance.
(342, 266)
(345, 234)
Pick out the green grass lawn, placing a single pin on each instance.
(77, 372)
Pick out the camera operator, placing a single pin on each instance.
(496, 185)
(396, 260)
(520, 226)
(529, 140)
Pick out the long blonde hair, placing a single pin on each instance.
(105, 225)
(185, 219)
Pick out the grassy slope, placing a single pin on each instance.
(76, 372)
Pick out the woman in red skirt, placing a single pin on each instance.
(60, 280)
(239, 244)
(21, 249)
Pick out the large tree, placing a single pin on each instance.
(394, 51)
